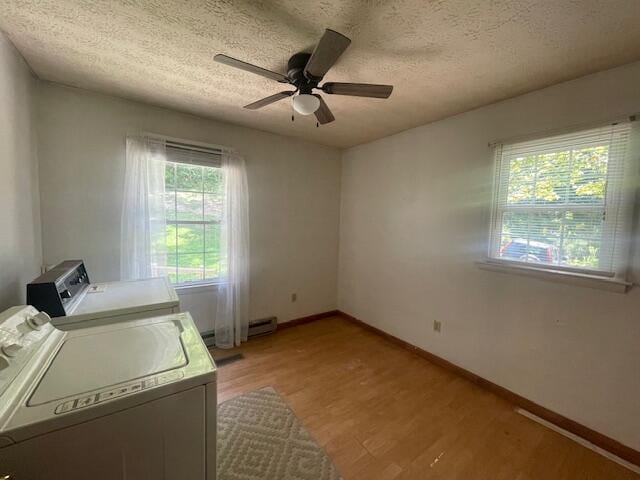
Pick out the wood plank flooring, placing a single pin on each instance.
(383, 413)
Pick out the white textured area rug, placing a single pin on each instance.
(260, 438)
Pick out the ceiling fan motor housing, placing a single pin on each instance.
(295, 72)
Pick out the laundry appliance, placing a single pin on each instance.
(68, 296)
(128, 400)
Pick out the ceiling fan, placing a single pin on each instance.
(305, 71)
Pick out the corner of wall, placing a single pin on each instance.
(21, 246)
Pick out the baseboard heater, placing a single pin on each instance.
(256, 327)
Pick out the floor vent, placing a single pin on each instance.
(256, 327)
(222, 362)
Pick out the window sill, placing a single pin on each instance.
(197, 287)
(573, 278)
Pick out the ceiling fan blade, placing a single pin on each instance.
(326, 53)
(323, 114)
(358, 89)
(269, 100)
(232, 62)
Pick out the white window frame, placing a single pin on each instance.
(209, 149)
(616, 210)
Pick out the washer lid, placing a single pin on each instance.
(95, 361)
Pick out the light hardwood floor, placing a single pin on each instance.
(384, 413)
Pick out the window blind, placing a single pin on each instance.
(559, 201)
(182, 153)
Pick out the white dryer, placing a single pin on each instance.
(129, 400)
(67, 295)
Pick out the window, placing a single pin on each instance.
(193, 208)
(559, 201)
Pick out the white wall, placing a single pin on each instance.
(20, 246)
(414, 219)
(294, 196)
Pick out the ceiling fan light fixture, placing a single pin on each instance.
(305, 104)
(304, 72)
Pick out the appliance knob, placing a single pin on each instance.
(4, 363)
(11, 349)
(65, 294)
(38, 320)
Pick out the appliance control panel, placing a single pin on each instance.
(58, 289)
(22, 330)
(129, 388)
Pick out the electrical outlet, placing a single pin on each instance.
(437, 326)
(294, 297)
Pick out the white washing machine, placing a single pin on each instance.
(67, 295)
(129, 400)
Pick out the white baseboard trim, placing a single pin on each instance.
(580, 440)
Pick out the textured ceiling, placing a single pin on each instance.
(442, 56)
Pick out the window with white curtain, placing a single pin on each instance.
(194, 192)
(559, 201)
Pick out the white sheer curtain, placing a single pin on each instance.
(143, 225)
(232, 316)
